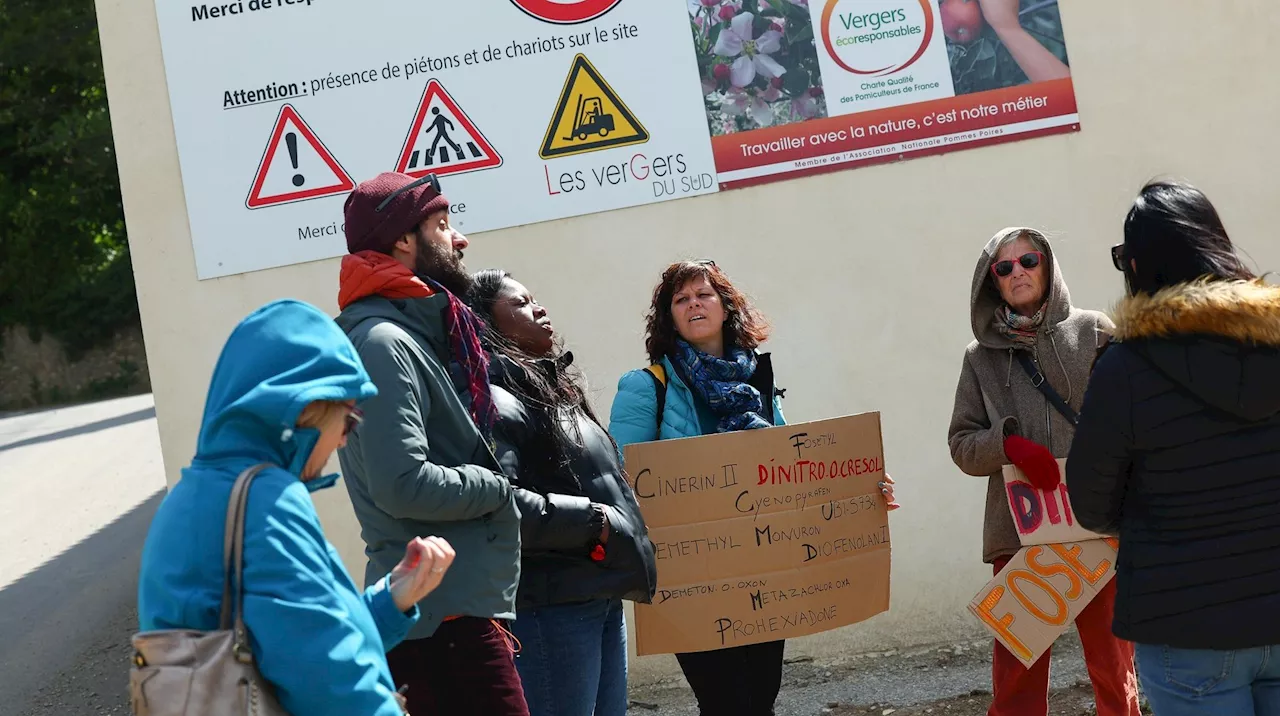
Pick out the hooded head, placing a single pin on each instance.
(280, 359)
(1218, 339)
(985, 296)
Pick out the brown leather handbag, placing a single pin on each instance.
(184, 672)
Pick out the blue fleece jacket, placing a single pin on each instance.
(319, 640)
(634, 415)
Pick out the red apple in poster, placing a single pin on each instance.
(962, 20)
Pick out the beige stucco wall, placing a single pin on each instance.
(865, 272)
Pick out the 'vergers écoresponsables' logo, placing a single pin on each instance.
(877, 37)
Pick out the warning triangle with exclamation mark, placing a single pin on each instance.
(443, 140)
(296, 166)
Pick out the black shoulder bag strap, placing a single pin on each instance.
(659, 376)
(1042, 384)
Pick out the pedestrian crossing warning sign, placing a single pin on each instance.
(590, 116)
(295, 166)
(443, 139)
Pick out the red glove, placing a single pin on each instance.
(1035, 461)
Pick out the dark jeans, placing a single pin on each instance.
(740, 681)
(465, 669)
(573, 659)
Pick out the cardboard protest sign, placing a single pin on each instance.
(1042, 590)
(1040, 516)
(764, 534)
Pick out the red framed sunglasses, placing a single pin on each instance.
(1029, 261)
(354, 418)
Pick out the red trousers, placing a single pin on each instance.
(465, 669)
(1020, 691)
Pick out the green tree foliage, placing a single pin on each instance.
(64, 258)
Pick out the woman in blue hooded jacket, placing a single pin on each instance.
(284, 393)
(707, 378)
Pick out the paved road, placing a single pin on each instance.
(875, 683)
(78, 487)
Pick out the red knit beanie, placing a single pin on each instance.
(370, 229)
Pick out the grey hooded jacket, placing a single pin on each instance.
(996, 398)
(418, 465)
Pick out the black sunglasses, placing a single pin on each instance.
(1028, 261)
(428, 179)
(1118, 257)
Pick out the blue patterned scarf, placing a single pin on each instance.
(722, 385)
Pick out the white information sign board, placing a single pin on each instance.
(527, 110)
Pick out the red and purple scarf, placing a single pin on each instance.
(368, 273)
(464, 329)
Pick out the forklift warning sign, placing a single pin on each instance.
(590, 116)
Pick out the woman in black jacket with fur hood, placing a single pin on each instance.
(584, 545)
(1178, 453)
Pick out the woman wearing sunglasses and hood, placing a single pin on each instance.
(284, 393)
(1021, 385)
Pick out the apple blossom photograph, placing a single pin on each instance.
(993, 44)
(758, 61)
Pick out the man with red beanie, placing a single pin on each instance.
(422, 461)
(1021, 385)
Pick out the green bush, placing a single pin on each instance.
(64, 256)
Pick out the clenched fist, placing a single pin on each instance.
(421, 571)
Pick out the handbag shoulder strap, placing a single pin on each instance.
(1042, 384)
(233, 559)
(659, 376)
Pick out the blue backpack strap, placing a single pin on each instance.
(659, 375)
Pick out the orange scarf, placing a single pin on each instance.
(371, 273)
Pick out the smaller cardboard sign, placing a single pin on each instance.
(764, 534)
(1042, 590)
(1043, 516)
